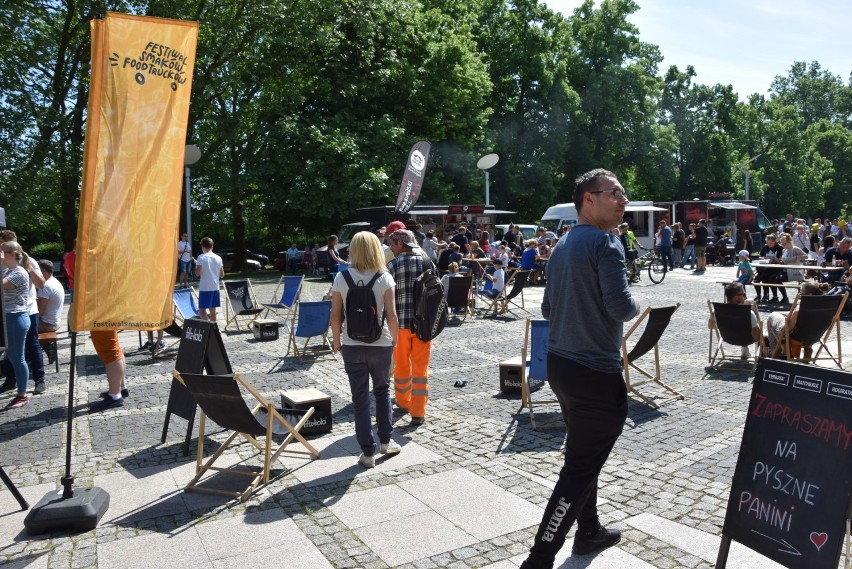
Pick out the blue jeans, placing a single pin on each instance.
(666, 256)
(33, 353)
(594, 407)
(362, 363)
(688, 256)
(17, 327)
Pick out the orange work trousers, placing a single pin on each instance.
(411, 372)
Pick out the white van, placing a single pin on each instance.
(526, 231)
(639, 214)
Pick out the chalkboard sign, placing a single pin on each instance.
(792, 487)
(201, 349)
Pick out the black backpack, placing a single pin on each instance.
(430, 308)
(361, 311)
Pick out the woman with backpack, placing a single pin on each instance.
(365, 327)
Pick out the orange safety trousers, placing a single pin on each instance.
(411, 372)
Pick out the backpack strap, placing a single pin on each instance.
(373, 280)
(348, 278)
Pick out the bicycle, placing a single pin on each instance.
(651, 260)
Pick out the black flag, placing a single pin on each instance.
(412, 178)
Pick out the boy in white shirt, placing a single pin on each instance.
(50, 299)
(209, 269)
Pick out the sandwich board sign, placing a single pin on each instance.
(791, 493)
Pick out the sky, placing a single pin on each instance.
(743, 43)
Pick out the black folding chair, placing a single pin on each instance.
(657, 321)
(240, 301)
(731, 324)
(817, 318)
(458, 296)
(219, 398)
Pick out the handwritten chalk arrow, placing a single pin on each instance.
(789, 548)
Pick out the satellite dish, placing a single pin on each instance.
(487, 161)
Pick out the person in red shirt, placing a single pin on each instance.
(69, 261)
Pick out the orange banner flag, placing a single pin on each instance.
(132, 172)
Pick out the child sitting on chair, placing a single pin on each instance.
(745, 272)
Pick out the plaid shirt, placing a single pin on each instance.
(405, 269)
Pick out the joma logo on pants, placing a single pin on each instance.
(556, 520)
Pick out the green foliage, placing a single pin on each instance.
(305, 111)
(52, 251)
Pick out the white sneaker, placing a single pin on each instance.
(390, 447)
(367, 461)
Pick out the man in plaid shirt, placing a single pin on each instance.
(411, 355)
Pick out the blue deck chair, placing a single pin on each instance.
(310, 320)
(487, 287)
(657, 321)
(240, 302)
(534, 368)
(291, 289)
(185, 306)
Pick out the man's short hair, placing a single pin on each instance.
(8, 235)
(586, 182)
(46, 266)
(206, 243)
(497, 262)
(733, 290)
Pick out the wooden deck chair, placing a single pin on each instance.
(240, 302)
(185, 306)
(818, 317)
(534, 367)
(496, 303)
(733, 326)
(458, 296)
(657, 321)
(310, 320)
(291, 289)
(219, 398)
(519, 283)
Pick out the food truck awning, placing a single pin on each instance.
(418, 212)
(732, 205)
(641, 207)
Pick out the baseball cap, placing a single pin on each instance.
(393, 226)
(815, 226)
(405, 236)
(623, 225)
(744, 253)
(497, 261)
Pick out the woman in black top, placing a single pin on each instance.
(764, 274)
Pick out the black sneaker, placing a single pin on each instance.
(601, 539)
(105, 404)
(400, 412)
(40, 387)
(124, 393)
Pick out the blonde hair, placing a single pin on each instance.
(365, 253)
(15, 247)
(453, 267)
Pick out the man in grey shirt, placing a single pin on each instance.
(587, 300)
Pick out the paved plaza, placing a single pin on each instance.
(467, 490)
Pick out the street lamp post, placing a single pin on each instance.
(484, 163)
(744, 169)
(191, 155)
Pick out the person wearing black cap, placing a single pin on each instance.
(498, 278)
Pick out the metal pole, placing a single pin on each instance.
(188, 208)
(487, 189)
(746, 184)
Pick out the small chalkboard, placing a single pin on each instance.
(792, 488)
(201, 349)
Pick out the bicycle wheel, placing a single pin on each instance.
(657, 271)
